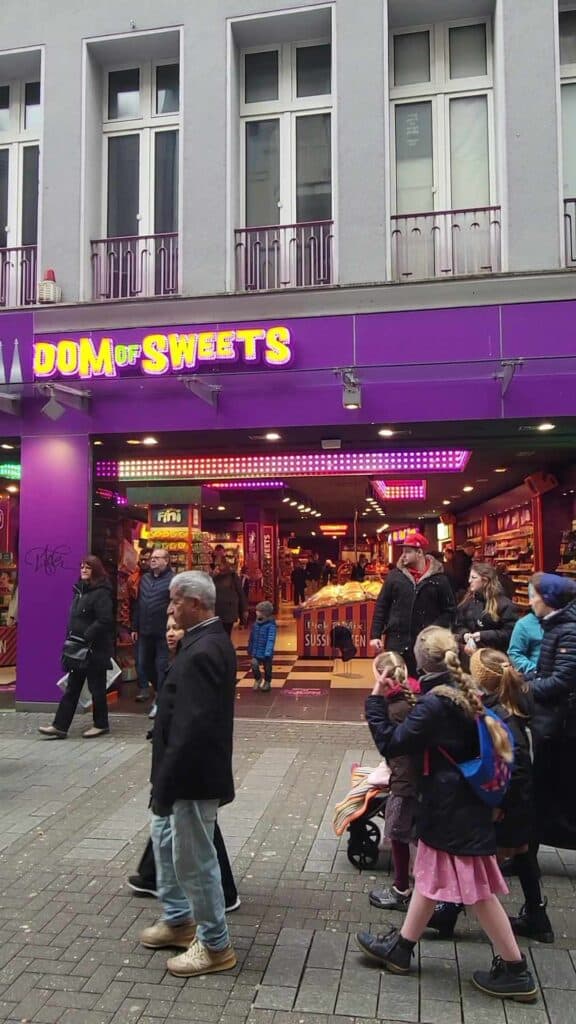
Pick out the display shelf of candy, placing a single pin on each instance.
(200, 551)
(567, 564)
(268, 579)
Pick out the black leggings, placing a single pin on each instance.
(147, 867)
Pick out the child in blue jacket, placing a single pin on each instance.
(261, 645)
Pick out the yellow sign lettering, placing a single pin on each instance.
(154, 348)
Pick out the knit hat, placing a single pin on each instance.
(266, 609)
(415, 540)
(556, 591)
(486, 678)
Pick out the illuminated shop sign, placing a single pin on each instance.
(400, 490)
(157, 354)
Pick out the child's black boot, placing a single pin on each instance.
(390, 949)
(444, 919)
(533, 923)
(507, 980)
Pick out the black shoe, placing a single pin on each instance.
(390, 899)
(533, 924)
(507, 980)
(444, 919)
(233, 905)
(387, 950)
(141, 887)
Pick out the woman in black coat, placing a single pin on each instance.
(486, 617)
(92, 620)
(553, 601)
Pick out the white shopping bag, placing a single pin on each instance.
(85, 700)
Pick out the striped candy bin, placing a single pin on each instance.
(314, 628)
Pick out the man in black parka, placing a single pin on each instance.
(191, 778)
(415, 594)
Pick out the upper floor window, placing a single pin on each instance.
(20, 122)
(441, 88)
(568, 97)
(286, 124)
(141, 121)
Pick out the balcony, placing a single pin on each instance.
(134, 266)
(570, 231)
(18, 275)
(446, 244)
(284, 256)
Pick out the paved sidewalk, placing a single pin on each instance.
(73, 818)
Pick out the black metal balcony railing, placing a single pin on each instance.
(18, 275)
(133, 266)
(570, 231)
(284, 256)
(446, 243)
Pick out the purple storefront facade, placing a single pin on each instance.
(490, 362)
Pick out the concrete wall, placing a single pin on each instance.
(71, 153)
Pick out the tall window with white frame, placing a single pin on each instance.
(20, 123)
(445, 218)
(286, 168)
(141, 124)
(568, 95)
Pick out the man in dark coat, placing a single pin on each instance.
(458, 568)
(191, 778)
(415, 594)
(149, 615)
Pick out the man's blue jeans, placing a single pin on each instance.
(188, 876)
(152, 659)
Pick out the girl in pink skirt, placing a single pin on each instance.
(455, 859)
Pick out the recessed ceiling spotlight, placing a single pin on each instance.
(149, 441)
(95, 443)
(545, 427)
(446, 502)
(301, 508)
(386, 432)
(221, 508)
(468, 489)
(501, 469)
(272, 436)
(312, 533)
(285, 500)
(293, 504)
(12, 489)
(10, 447)
(133, 440)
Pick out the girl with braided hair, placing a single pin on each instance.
(401, 804)
(456, 855)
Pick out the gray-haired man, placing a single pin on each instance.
(191, 777)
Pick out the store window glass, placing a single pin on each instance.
(569, 139)
(468, 56)
(411, 58)
(313, 70)
(30, 165)
(568, 37)
(168, 89)
(469, 152)
(32, 112)
(261, 77)
(4, 107)
(123, 185)
(124, 94)
(166, 182)
(313, 168)
(4, 167)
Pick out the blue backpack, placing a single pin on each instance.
(488, 774)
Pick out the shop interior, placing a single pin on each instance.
(264, 504)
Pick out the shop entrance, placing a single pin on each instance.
(311, 520)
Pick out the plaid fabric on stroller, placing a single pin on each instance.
(364, 802)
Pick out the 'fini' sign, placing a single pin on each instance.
(155, 354)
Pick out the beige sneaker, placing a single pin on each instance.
(163, 935)
(201, 960)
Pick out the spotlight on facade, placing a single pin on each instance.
(207, 393)
(62, 397)
(10, 404)
(53, 409)
(351, 391)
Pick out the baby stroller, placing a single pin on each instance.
(365, 801)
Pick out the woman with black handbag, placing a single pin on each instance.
(87, 651)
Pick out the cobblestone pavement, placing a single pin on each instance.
(73, 821)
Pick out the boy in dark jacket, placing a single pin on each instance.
(261, 645)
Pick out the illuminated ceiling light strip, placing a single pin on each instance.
(400, 490)
(246, 485)
(330, 463)
(10, 470)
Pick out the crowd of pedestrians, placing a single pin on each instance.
(473, 706)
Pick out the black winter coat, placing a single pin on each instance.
(472, 617)
(404, 608)
(450, 816)
(192, 740)
(554, 687)
(92, 618)
(515, 829)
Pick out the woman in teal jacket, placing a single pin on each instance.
(525, 644)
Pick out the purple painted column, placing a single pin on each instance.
(54, 530)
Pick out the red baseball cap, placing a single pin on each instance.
(415, 540)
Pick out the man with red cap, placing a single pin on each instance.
(415, 594)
